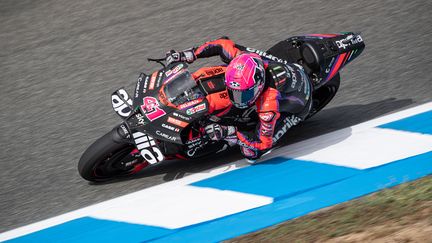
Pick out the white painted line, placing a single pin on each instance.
(394, 116)
(361, 149)
(181, 206)
(313, 148)
(24, 230)
(316, 143)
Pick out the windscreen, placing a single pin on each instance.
(182, 88)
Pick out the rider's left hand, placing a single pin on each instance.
(180, 56)
(217, 132)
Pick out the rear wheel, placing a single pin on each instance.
(107, 159)
(324, 94)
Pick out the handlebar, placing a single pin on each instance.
(158, 60)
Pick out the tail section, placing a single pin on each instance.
(322, 55)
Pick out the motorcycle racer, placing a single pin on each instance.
(252, 100)
(279, 92)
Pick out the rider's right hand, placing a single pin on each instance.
(187, 55)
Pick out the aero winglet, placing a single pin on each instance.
(121, 103)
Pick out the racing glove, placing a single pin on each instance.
(217, 132)
(187, 55)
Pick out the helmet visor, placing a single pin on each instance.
(244, 98)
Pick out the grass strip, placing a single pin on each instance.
(373, 217)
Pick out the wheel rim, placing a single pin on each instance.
(119, 163)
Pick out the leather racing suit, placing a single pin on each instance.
(284, 102)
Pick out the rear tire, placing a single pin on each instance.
(324, 94)
(105, 159)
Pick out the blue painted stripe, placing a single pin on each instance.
(366, 182)
(421, 123)
(298, 187)
(89, 229)
(279, 177)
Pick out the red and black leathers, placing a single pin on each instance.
(223, 47)
(285, 101)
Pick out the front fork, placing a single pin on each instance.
(121, 134)
(134, 159)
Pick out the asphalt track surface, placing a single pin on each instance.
(60, 61)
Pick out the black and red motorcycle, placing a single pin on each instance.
(165, 117)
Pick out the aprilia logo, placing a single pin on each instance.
(289, 122)
(147, 147)
(119, 106)
(349, 40)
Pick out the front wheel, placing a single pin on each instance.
(107, 159)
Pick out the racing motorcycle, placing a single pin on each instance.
(166, 116)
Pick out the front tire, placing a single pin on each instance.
(108, 158)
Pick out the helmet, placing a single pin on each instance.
(244, 79)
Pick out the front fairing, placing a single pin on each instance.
(165, 113)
